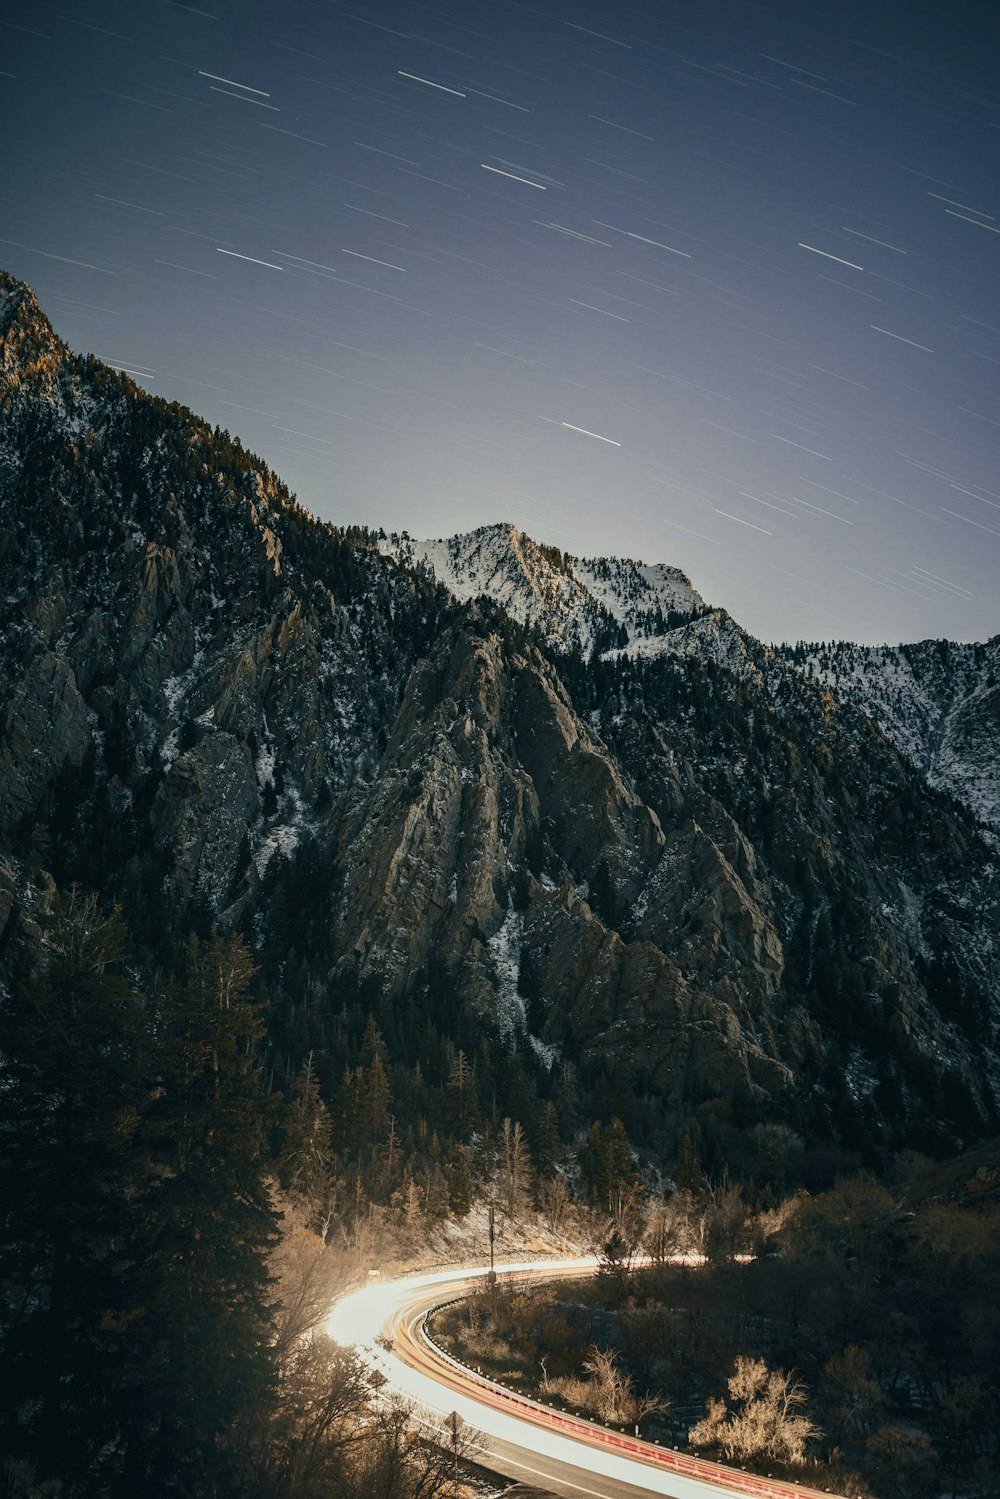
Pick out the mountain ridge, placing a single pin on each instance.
(922, 695)
(704, 884)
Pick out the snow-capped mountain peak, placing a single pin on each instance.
(579, 602)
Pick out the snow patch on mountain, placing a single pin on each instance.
(578, 602)
(504, 948)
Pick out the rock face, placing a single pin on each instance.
(488, 789)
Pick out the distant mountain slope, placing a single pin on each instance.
(664, 870)
(938, 700)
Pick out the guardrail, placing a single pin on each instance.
(649, 1452)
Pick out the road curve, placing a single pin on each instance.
(507, 1432)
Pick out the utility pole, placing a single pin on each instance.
(454, 1424)
(493, 1274)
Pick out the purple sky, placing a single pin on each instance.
(714, 284)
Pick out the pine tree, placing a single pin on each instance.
(435, 1193)
(461, 1098)
(460, 1184)
(209, 1225)
(71, 1034)
(548, 1147)
(376, 1097)
(568, 1103)
(306, 1162)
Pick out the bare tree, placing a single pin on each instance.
(763, 1417)
(673, 1226)
(609, 1392)
(727, 1222)
(515, 1168)
(303, 1276)
(403, 1460)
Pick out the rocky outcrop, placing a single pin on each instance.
(45, 729)
(597, 823)
(436, 838)
(201, 816)
(6, 893)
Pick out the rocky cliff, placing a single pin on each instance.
(501, 797)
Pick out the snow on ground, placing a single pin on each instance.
(504, 948)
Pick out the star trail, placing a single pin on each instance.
(710, 284)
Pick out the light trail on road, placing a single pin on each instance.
(386, 1324)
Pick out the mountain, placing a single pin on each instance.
(556, 814)
(938, 701)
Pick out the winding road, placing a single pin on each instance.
(505, 1431)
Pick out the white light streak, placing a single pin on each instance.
(980, 417)
(955, 204)
(656, 285)
(383, 216)
(310, 435)
(232, 82)
(602, 310)
(587, 433)
(871, 239)
(615, 229)
(229, 95)
(391, 154)
(387, 263)
(63, 259)
(978, 524)
(252, 258)
(938, 579)
(191, 271)
(125, 204)
(482, 94)
(826, 256)
(658, 243)
(793, 65)
(819, 510)
(602, 121)
(900, 339)
(839, 97)
(825, 371)
(969, 220)
(493, 350)
(315, 265)
(731, 430)
(827, 490)
(804, 449)
(129, 369)
(294, 134)
(514, 177)
(573, 233)
(757, 500)
(431, 84)
(749, 524)
(604, 38)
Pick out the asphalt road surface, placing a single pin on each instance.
(506, 1432)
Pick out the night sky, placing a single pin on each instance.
(714, 284)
